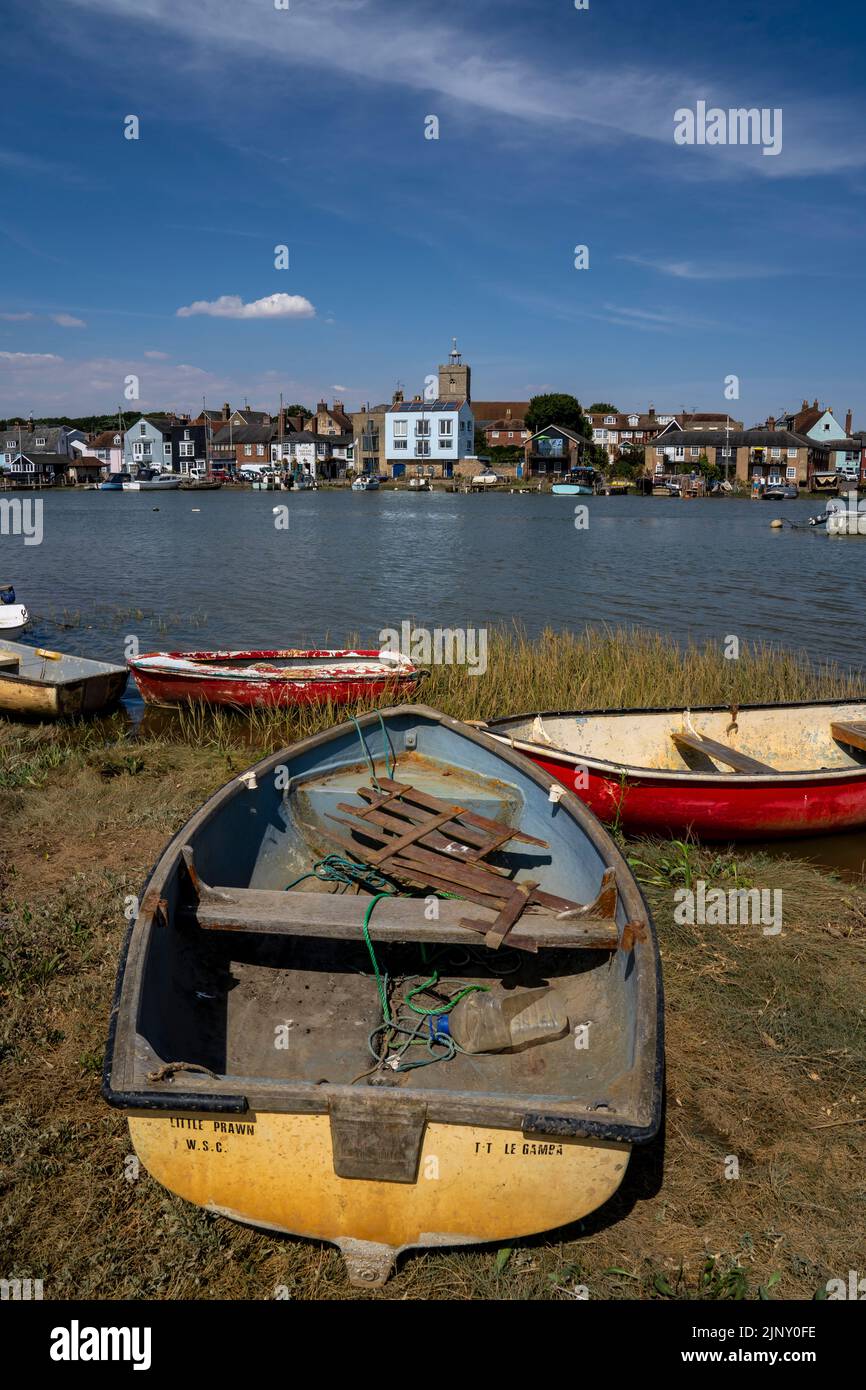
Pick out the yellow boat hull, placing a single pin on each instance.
(473, 1184)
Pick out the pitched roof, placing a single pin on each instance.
(759, 437)
(244, 434)
(489, 411)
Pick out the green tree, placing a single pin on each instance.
(557, 409)
(602, 408)
(297, 410)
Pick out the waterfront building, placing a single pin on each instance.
(427, 438)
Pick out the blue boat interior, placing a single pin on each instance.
(220, 999)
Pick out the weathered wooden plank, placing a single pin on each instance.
(851, 731)
(740, 762)
(432, 803)
(340, 915)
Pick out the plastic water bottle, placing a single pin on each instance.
(486, 1022)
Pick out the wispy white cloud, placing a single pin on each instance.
(693, 270)
(372, 41)
(28, 359)
(157, 356)
(231, 306)
(16, 318)
(68, 321)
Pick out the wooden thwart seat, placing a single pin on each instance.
(740, 762)
(852, 732)
(340, 915)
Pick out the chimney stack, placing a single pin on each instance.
(849, 424)
(227, 410)
(652, 411)
(396, 398)
(771, 422)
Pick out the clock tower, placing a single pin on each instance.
(454, 377)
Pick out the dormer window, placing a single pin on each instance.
(633, 420)
(41, 442)
(610, 419)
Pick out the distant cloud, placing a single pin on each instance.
(378, 43)
(335, 387)
(16, 318)
(231, 306)
(157, 356)
(28, 359)
(68, 321)
(690, 270)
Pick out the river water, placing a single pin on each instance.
(215, 569)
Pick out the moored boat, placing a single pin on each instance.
(267, 1078)
(13, 615)
(365, 482)
(34, 681)
(748, 772)
(277, 678)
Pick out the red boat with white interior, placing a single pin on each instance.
(272, 679)
(743, 773)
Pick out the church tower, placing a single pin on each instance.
(454, 377)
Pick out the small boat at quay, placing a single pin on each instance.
(114, 482)
(780, 492)
(34, 681)
(277, 679)
(13, 615)
(365, 482)
(743, 773)
(270, 1075)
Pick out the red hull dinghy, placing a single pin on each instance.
(750, 773)
(271, 679)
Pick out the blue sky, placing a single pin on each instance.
(305, 127)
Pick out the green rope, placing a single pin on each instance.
(446, 1008)
(386, 742)
(383, 996)
(334, 868)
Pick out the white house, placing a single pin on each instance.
(428, 437)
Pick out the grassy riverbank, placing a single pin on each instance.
(765, 1035)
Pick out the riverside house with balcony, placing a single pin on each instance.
(428, 438)
(553, 452)
(766, 453)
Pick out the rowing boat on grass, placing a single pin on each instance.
(746, 772)
(34, 681)
(275, 679)
(247, 1038)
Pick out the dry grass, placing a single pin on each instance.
(764, 1034)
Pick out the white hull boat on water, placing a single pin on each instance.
(13, 616)
(367, 483)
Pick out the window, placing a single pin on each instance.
(446, 428)
(401, 443)
(142, 429)
(776, 453)
(610, 419)
(792, 453)
(422, 448)
(187, 450)
(725, 453)
(422, 429)
(260, 450)
(401, 429)
(248, 450)
(679, 452)
(40, 443)
(665, 419)
(166, 449)
(633, 420)
(694, 452)
(790, 473)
